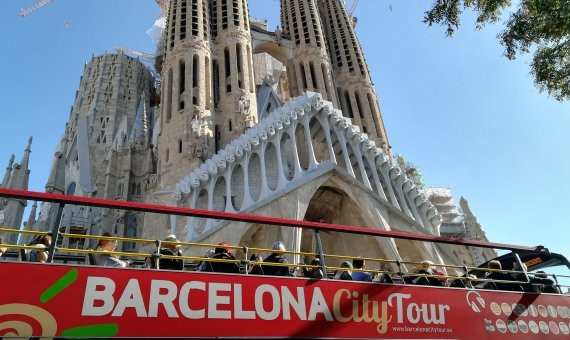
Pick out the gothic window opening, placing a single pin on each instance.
(179, 146)
(224, 14)
(183, 20)
(230, 125)
(182, 77)
(235, 12)
(169, 96)
(216, 83)
(195, 79)
(167, 156)
(303, 76)
(348, 104)
(359, 106)
(205, 22)
(313, 76)
(131, 232)
(217, 137)
(194, 18)
(239, 66)
(214, 22)
(228, 69)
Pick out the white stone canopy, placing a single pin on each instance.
(280, 152)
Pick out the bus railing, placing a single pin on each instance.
(401, 273)
(62, 200)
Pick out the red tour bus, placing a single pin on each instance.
(80, 300)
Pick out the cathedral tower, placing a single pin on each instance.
(186, 123)
(355, 90)
(235, 101)
(310, 68)
(105, 150)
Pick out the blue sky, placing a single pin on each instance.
(468, 117)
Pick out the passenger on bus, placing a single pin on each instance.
(345, 274)
(204, 265)
(171, 250)
(544, 284)
(256, 269)
(313, 273)
(425, 268)
(500, 276)
(108, 260)
(276, 257)
(358, 275)
(383, 277)
(40, 255)
(224, 253)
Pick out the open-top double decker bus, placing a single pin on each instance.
(81, 300)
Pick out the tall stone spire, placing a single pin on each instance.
(186, 125)
(310, 69)
(235, 102)
(56, 180)
(21, 171)
(357, 97)
(6, 179)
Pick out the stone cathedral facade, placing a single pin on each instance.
(283, 123)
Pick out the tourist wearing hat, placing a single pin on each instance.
(225, 263)
(170, 249)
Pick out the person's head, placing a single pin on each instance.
(315, 262)
(426, 265)
(223, 248)
(107, 244)
(171, 238)
(278, 247)
(358, 263)
(495, 265)
(347, 265)
(541, 274)
(46, 240)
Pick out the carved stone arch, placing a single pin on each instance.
(271, 166)
(219, 194)
(331, 204)
(354, 162)
(319, 140)
(287, 156)
(237, 187)
(302, 146)
(254, 176)
(337, 149)
(201, 203)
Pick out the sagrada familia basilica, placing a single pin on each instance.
(282, 123)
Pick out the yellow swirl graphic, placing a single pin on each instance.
(19, 328)
(43, 317)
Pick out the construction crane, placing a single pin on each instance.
(352, 7)
(27, 11)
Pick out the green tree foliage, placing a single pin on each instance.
(538, 26)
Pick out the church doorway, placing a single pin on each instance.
(331, 205)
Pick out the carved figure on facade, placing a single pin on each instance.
(243, 103)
